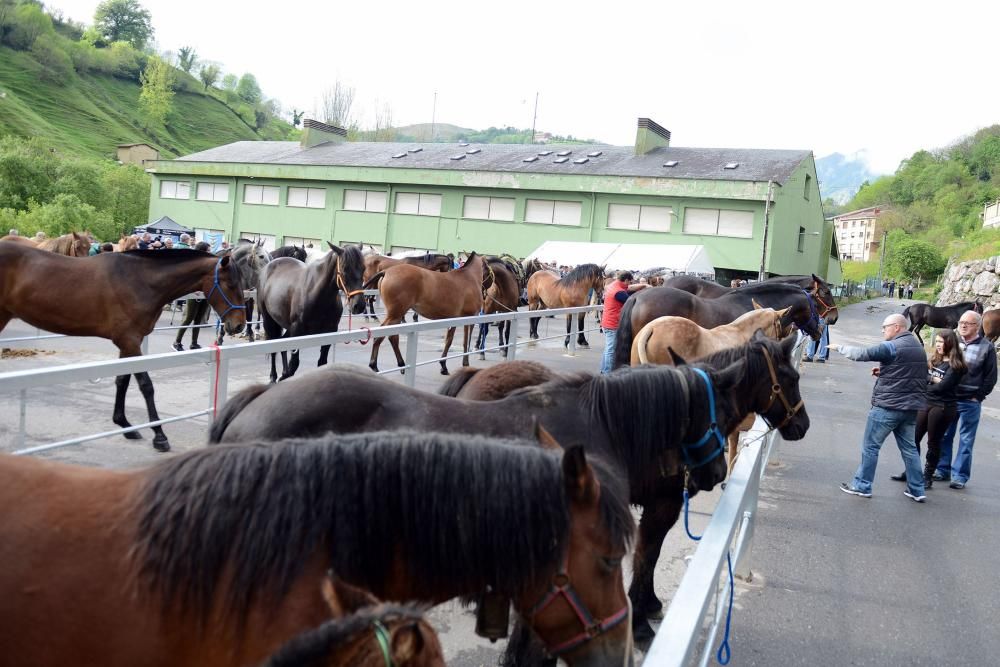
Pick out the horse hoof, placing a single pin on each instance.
(444, 371)
(583, 346)
(161, 443)
(642, 631)
(133, 435)
(482, 357)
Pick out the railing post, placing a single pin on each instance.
(144, 346)
(512, 346)
(573, 324)
(22, 422)
(741, 568)
(218, 386)
(411, 359)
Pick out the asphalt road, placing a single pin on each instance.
(838, 580)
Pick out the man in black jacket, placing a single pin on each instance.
(898, 395)
(981, 358)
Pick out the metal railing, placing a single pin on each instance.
(218, 359)
(686, 636)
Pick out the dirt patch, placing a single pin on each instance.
(14, 353)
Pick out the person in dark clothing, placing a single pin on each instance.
(974, 387)
(195, 314)
(898, 395)
(947, 367)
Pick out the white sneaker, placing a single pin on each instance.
(916, 499)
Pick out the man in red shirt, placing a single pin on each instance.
(615, 295)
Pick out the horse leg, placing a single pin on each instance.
(484, 330)
(504, 336)
(118, 417)
(657, 518)
(581, 340)
(160, 441)
(273, 332)
(324, 352)
(249, 305)
(916, 332)
(447, 344)
(377, 343)
(569, 327)
(466, 343)
(289, 371)
(524, 649)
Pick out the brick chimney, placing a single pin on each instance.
(315, 133)
(650, 135)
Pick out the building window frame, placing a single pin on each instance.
(263, 195)
(498, 209)
(558, 213)
(170, 189)
(213, 195)
(314, 197)
(645, 212)
(370, 203)
(802, 239)
(744, 221)
(428, 204)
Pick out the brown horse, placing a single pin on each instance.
(991, 325)
(71, 245)
(503, 296)
(114, 569)
(376, 263)
(20, 240)
(363, 632)
(547, 290)
(118, 296)
(495, 382)
(126, 243)
(436, 296)
(826, 305)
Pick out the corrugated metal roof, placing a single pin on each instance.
(692, 163)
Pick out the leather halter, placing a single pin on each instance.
(827, 307)
(342, 284)
(217, 286)
(776, 392)
(592, 627)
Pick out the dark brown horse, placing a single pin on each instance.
(118, 296)
(219, 556)
(293, 251)
(645, 306)
(250, 259)
(376, 263)
(364, 633)
(940, 317)
(637, 418)
(496, 382)
(298, 299)
(826, 305)
(547, 290)
(503, 296)
(991, 325)
(434, 295)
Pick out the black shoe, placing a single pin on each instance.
(901, 477)
(957, 485)
(195, 346)
(847, 488)
(178, 346)
(807, 360)
(938, 477)
(916, 499)
(821, 361)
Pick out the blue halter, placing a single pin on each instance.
(217, 286)
(712, 432)
(813, 315)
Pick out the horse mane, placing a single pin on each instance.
(172, 256)
(583, 272)
(241, 521)
(314, 646)
(352, 262)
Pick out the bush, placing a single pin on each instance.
(28, 22)
(56, 64)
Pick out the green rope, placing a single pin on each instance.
(382, 637)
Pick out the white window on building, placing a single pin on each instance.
(372, 201)
(175, 190)
(489, 208)
(303, 241)
(212, 192)
(548, 212)
(365, 247)
(642, 218)
(268, 239)
(266, 195)
(307, 197)
(715, 222)
(412, 203)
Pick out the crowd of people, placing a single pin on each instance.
(915, 396)
(902, 290)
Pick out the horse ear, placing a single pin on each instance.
(336, 249)
(406, 644)
(678, 359)
(817, 281)
(784, 311)
(342, 598)
(756, 306)
(224, 261)
(581, 483)
(545, 438)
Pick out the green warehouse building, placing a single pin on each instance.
(499, 198)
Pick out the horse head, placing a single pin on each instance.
(224, 289)
(349, 273)
(825, 303)
(79, 245)
(777, 398)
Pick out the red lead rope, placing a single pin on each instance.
(215, 390)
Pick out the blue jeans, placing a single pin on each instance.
(967, 423)
(902, 424)
(821, 348)
(607, 361)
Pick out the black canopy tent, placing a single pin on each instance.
(165, 227)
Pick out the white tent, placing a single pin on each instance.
(628, 256)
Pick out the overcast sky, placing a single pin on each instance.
(888, 78)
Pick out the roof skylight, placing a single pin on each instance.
(564, 153)
(732, 165)
(414, 150)
(473, 151)
(582, 160)
(560, 160)
(398, 155)
(544, 153)
(533, 158)
(458, 157)
(670, 163)
(595, 154)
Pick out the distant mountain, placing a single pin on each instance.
(841, 176)
(443, 132)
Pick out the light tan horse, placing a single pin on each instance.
(666, 336)
(547, 290)
(72, 245)
(126, 243)
(22, 240)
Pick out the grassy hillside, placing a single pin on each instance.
(91, 113)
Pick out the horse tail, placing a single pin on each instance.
(231, 409)
(641, 341)
(453, 385)
(374, 280)
(623, 341)
(906, 314)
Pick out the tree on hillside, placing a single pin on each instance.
(229, 82)
(248, 89)
(338, 100)
(28, 22)
(383, 129)
(186, 58)
(910, 259)
(209, 75)
(124, 21)
(157, 92)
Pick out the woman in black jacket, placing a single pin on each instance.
(945, 370)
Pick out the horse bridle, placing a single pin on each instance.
(217, 286)
(827, 307)
(778, 393)
(342, 284)
(561, 587)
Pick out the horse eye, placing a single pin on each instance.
(611, 564)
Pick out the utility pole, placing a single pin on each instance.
(767, 214)
(881, 259)
(534, 119)
(434, 114)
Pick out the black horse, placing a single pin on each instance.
(645, 306)
(298, 299)
(638, 418)
(293, 251)
(826, 306)
(941, 317)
